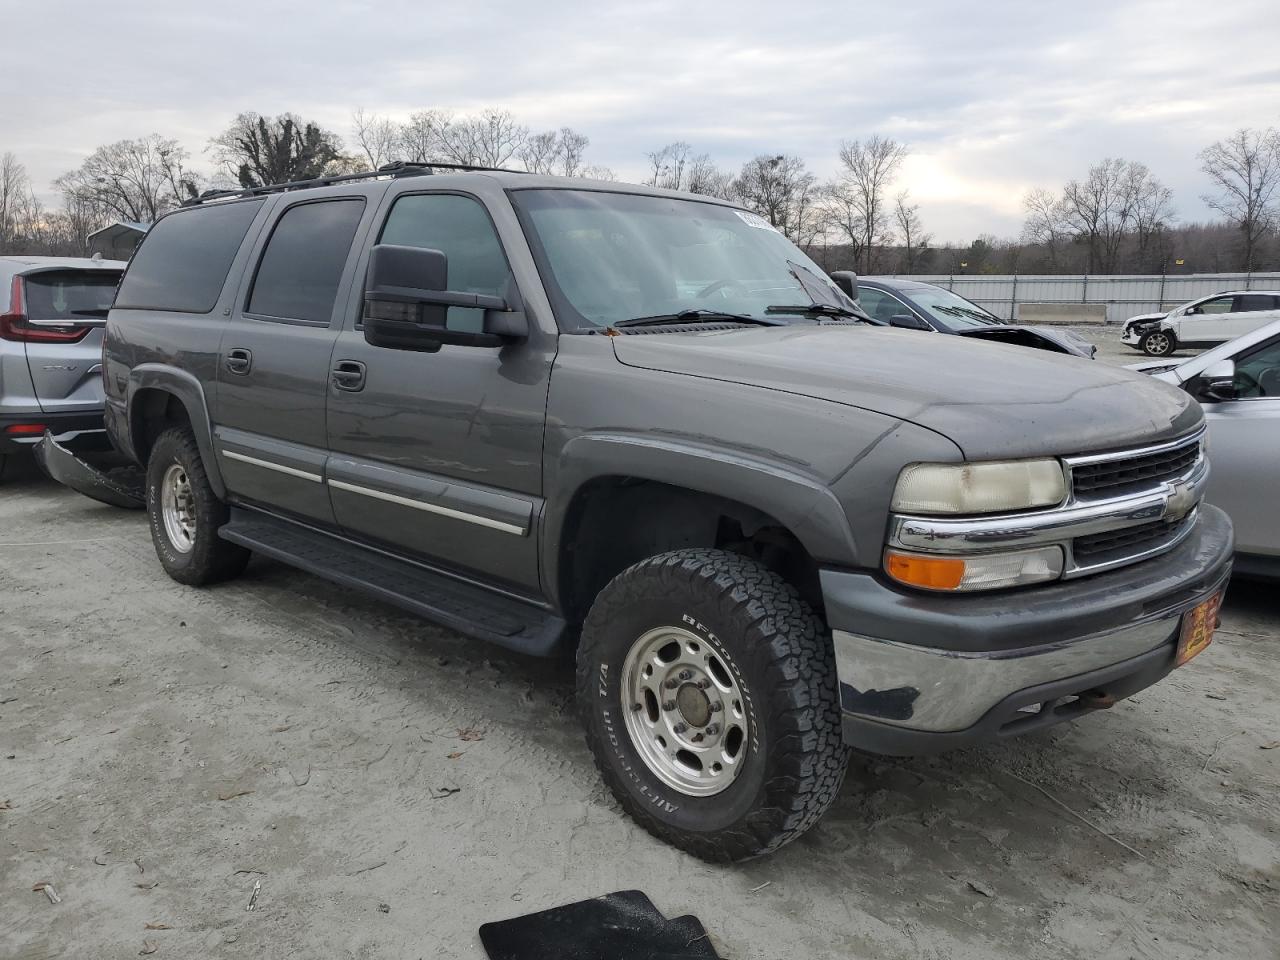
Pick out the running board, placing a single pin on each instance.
(461, 606)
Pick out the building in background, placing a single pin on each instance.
(118, 240)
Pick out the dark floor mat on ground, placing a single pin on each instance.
(617, 926)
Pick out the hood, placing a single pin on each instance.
(990, 399)
(1040, 338)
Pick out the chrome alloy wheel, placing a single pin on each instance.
(1158, 344)
(684, 711)
(178, 508)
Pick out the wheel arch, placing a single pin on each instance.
(619, 500)
(161, 396)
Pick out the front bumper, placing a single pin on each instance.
(1133, 335)
(921, 673)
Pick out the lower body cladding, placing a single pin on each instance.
(920, 672)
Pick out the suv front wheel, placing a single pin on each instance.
(1158, 343)
(708, 690)
(185, 514)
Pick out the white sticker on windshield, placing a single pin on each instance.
(755, 220)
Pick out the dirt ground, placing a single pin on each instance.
(163, 749)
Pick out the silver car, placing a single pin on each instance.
(1238, 384)
(54, 309)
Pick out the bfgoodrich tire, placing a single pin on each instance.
(708, 691)
(1158, 343)
(185, 514)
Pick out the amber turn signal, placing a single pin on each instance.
(933, 573)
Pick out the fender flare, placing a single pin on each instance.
(803, 504)
(189, 392)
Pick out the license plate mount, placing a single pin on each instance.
(1198, 625)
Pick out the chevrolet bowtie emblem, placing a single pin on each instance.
(1180, 502)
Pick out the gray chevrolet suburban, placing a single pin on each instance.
(642, 426)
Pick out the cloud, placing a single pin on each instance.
(993, 98)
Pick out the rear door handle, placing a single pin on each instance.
(238, 361)
(349, 375)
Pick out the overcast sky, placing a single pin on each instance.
(993, 98)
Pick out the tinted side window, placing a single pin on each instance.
(301, 267)
(1258, 374)
(879, 304)
(183, 262)
(459, 227)
(1253, 302)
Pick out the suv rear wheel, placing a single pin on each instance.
(1158, 343)
(185, 514)
(708, 691)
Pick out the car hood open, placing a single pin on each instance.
(990, 399)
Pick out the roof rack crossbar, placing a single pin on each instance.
(398, 168)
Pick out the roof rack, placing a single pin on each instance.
(398, 168)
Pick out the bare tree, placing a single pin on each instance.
(258, 150)
(488, 140)
(1245, 169)
(573, 146)
(911, 231)
(420, 139)
(15, 189)
(1046, 224)
(858, 207)
(378, 137)
(781, 190)
(1152, 214)
(558, 152)
(677, 167)
(539, 151)
(1098, 210)
(131, 179)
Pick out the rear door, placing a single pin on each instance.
(273, 365)
(1244, 450)
(66, 310)
(1249, 312)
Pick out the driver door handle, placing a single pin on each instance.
(348, 375)
(238, 360)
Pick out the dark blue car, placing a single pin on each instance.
(916, 305)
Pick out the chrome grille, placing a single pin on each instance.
(1114, 477)
(1128, 542)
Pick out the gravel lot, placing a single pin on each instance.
(163, 749)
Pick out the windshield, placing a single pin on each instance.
(618, 256)
(951, 309)
(70, 294)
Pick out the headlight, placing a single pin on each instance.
(982, 571)
(992, 487)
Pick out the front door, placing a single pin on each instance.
(1244, 450)
(439, 455)
(1205, 322)
(273, 366)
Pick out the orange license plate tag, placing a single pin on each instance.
(1198, 625)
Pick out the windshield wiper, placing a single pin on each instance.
(818, 309)
(698, 316)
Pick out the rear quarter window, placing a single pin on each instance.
(183, 262)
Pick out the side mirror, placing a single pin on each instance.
(407, 300)
(908, 321)
(1218, 382)
(847, 281)
(1191, 311)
